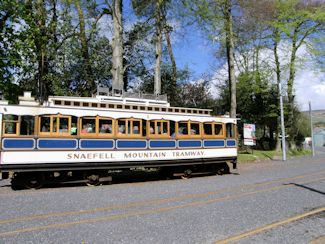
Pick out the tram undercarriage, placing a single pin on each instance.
(28, 177)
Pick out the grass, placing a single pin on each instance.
(259, 155)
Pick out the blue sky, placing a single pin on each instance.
(193, 50)
(189, 47)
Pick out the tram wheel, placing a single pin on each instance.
(92, 180)
(187, 174)
(33, 181)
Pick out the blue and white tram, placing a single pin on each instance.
(87, 137)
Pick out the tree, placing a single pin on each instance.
(216, 18)
(89, 77)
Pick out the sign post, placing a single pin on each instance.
(249, 135)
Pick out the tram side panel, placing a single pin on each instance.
(30, 154)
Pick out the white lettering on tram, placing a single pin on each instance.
(90, 156)
(188, 154)
(145, 155)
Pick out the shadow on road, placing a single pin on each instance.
(308, 188)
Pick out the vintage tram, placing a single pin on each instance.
(87, 138)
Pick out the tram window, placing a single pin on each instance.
(144, 127)
(172, 128)
(63, 125)
(162, 127)
(76, 104)
(27, 125)
(54, 128)
(88, 126)
(105, 126)
(74, 127)
(152, 128)
(182, 128)
(121, 127)
(136, 127)
(195, 129)
(207, 129)
(218, 129)
(230, 130)
(11, 124)
(45, 124)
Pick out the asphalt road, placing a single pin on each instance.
(270, 202)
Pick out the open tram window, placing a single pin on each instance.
(11, 124)
(105, 126)
(45, 124)
(159, 128)
(131, 127)
(182, 128)
(195, 129)
(63, 125)
(121, 127)
(218, 129)
(54, 125)
(136, 127)
(207, 128)
(74, 126)
(88, 126)
(27, 124)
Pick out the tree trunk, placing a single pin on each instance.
(90, 83)
(230, 58)
(117, 46)
(41, 44)
(158, 42)
(276, 40)
(173, 85)
(292, 72)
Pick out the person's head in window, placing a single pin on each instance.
(84, 129)
(121, 129)
(193, 132)
(135, 130)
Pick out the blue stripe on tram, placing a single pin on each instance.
(124, 144)
(96, 144)
(13, 143)
(162, 144)
(231, 143)
(189, 143)
(57, 144)
(214, 143)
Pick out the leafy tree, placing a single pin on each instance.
(216, 18)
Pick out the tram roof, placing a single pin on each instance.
(113, 107)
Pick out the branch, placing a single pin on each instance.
(307, 33)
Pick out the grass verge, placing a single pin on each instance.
(259, 155)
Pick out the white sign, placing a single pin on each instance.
(249, 135)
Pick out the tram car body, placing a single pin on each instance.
(88, 137)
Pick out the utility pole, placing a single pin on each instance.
(283, 138)
(311, 131)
